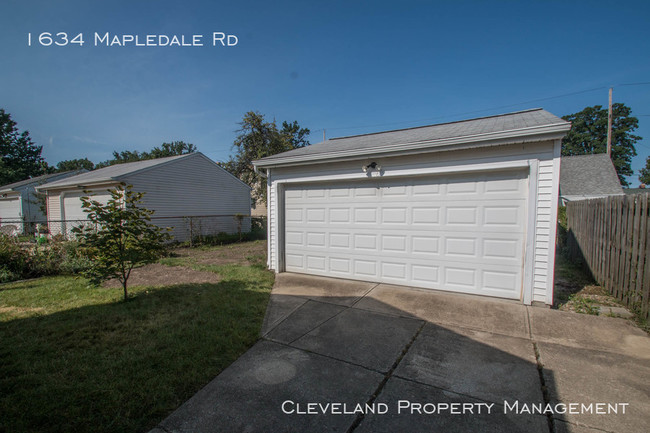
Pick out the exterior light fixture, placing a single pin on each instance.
(370, 167)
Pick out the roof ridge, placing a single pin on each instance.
(436, 124)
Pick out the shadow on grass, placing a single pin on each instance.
(123, 366)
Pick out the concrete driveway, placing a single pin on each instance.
(343, 356)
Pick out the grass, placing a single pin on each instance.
(74, 358)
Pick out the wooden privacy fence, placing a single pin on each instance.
(612, 236)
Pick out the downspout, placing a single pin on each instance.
(256, 170)
(22, 213)
(62, 211)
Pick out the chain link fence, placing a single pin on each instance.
(192, 229)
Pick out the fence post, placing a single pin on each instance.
(191, 233)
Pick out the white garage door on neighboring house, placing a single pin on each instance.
(10, 213)
(462, 233)
(10, 209)
(73, 212)
(72, 203)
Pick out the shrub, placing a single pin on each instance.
(57, 257)
(13, 259)
(223, 238)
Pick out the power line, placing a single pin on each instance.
(487, 109)
(633, 84)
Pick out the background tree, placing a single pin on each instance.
(166, 149)
(75, 164)
(120, 236)
(171, 149)
(20, 158)
(644, 173)
(257, 139)
(588, 135)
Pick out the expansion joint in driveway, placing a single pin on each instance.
(387, 376)
(540, 370)
(545, 393)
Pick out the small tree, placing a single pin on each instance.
(120, 236)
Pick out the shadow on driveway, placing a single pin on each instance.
(342, 356)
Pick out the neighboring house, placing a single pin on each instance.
(175, 188)
(20, 204)
(465, 207)
(588, 176)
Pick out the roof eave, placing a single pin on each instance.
(536, 133)
(77, 185)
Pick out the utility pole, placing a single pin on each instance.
(323, 134)
(609, 125)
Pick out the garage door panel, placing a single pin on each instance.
(459, 233)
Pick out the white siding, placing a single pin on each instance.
(271, 220)
(548, 174)
(193, 186)
(54, 212)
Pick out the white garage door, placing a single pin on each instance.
(10, 210)
(462, 233)
(72, 204)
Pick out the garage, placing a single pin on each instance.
(463, 233)
(467, 207)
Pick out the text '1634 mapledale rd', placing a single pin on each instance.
(106, 39)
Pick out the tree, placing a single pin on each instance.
(257, 139)
(120, 236)
(166, 149)
(588, 135)
(644, 173)
(171, 149)
(75, 164)
(20, 158)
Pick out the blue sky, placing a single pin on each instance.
(347, 67)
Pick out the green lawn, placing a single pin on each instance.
(74, 358)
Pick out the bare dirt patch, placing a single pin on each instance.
(245, 253)
(161, 275)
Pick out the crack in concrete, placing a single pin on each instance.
(387, 376)
(540, 371)
(544, 388)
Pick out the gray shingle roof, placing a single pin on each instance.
(112, 173)
(588, 176)
(466, 130)
(38, 180)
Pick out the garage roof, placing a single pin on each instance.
(528, 125)
(36, 180)
(113, 173)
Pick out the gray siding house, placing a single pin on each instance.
(20, 207)
(175, 188)
(465, 207)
